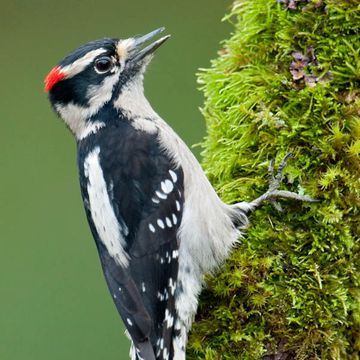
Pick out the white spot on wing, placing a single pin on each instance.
(129, 321)
(165, 354)
(161, 195)
(160, 296)
(168, 222)
(102, 212)
(160, 223)
(151, 228)
(174, 219)
(167, 186)
(177, 205)
(169, 319)
(173, 176)
(172, 285)
(156, 201)
(177, 325)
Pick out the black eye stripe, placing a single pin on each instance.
(103, 64)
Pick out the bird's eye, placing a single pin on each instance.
(103, 65)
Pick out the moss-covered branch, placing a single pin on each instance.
(288, 80)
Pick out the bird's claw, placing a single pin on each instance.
(275, 180)
(276, 205)
(273, 192)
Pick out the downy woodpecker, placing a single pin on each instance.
(157, 222)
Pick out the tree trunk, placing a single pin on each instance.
(286, 81)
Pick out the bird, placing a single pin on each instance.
(157, 222)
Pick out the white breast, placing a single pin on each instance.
(206, 234)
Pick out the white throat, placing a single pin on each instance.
(132, 100)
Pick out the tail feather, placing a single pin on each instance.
(144, 351)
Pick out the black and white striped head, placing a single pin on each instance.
(94, 74)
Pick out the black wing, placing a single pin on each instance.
(146, 192)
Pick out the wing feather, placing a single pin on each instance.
(145, 189)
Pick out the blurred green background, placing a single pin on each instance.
(54, 303)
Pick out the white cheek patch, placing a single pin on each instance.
(102, 212)
(77, 117)
(74, 116)
(98, 95)
(80, 64)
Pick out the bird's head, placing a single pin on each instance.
(97, 73)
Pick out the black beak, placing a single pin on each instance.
(137, 53)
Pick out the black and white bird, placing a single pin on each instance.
(157, 222)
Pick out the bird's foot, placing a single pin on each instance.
(273, 193)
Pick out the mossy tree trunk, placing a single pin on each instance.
(286, 81)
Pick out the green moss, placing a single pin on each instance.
(287, 80)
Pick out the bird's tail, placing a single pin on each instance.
(145, 351)
(141, 351)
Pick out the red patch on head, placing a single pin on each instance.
(54, 76)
